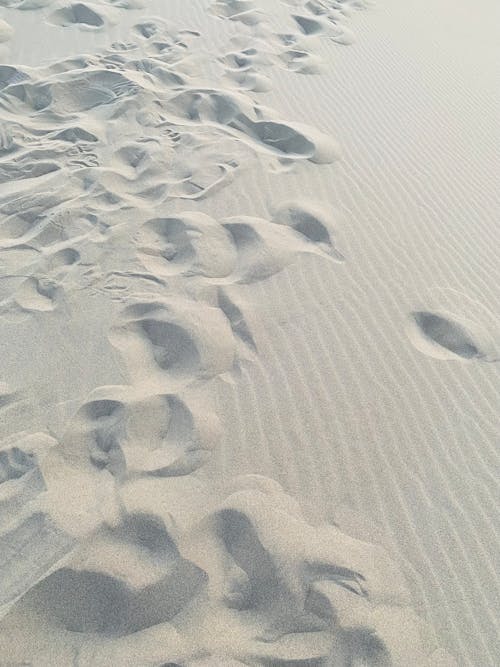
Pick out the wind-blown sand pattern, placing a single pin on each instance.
(249, 320)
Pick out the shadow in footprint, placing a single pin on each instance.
(308, 26)
(309, 225)
(76, 14)
(100, 427)
(360, 646)
(93, 601)
(242, 543)
(448, 334)
(236, 319)
(173, 348)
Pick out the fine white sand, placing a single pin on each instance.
(250, 333)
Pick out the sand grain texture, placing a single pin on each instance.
(249, 314)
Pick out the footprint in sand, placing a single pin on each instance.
(311, 223)
(441, 336)
(72, 92)
(188, 243)
(79, 14)
(311, 593)
(301, 61)
(75, 135)
(14, 463)
(38, 294)
(176, 340)
(22, 521)
(38, 275)
(135, 435)
(236, 115)
(11, 75)
(264, 248)
(240, 249)
(94, 436)
(133, 577)
(327, 19)
(244, 68)
(25, 168)
(178, 439)
(243, 11)
(309, 26)
(60, 261)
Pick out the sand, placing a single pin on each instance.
(249, 315)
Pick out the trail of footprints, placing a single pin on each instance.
(240, 249)
(171, 138)
(134, 129)
(94, 15)
(261, 48)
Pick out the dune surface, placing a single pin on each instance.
(250, 327)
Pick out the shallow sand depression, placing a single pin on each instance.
(249, 316)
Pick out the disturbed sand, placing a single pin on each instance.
(250, 326)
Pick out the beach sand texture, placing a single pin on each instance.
(250, 333)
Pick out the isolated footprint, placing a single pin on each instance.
(340, 34)
(148, 29)
(241, 60)
(251, 80)
(172, 345)
(444, 338)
